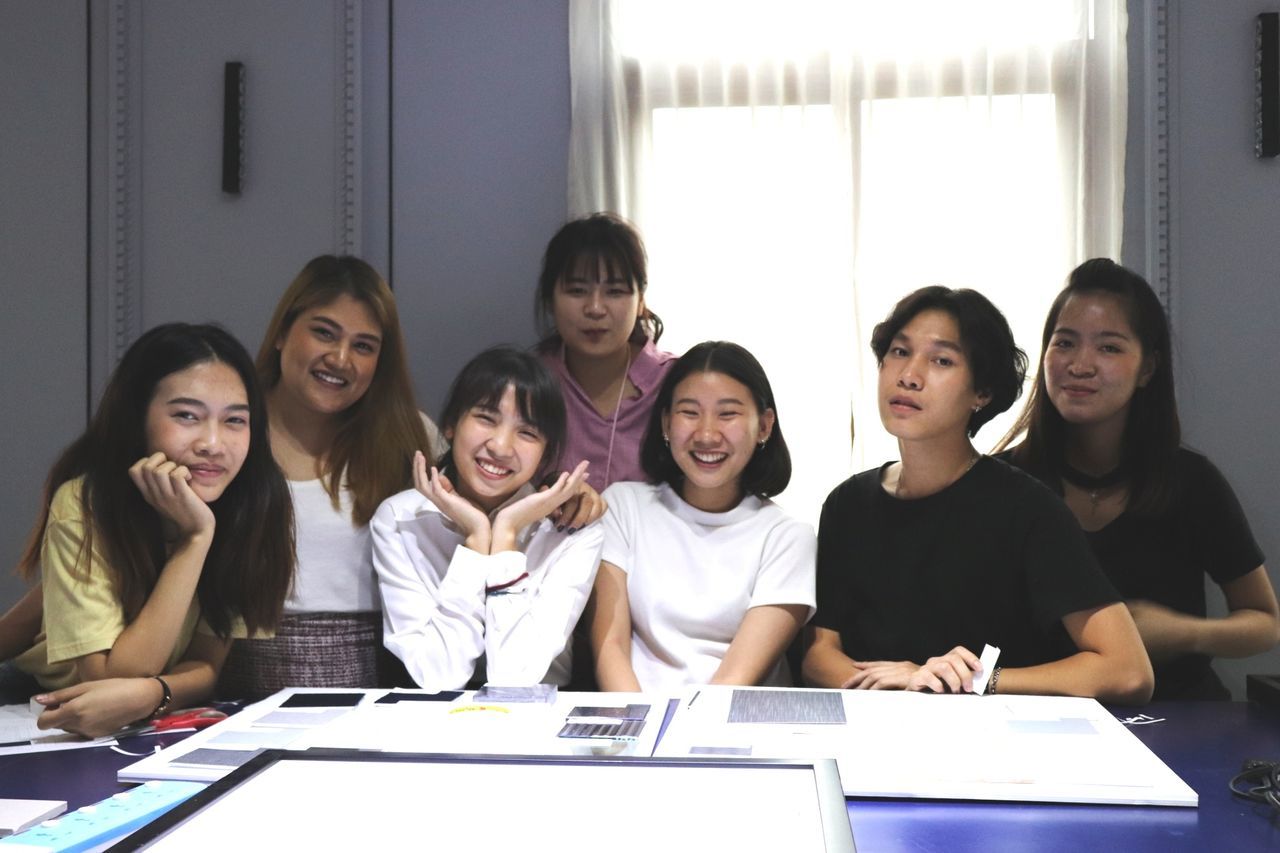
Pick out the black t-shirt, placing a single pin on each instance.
(1164, 558)
(993, 558)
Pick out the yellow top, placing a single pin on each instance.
(81, 612)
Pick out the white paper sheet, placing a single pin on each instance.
(19, 733)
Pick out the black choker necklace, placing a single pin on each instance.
(1090, 483)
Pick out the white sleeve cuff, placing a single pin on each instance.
(503, 571)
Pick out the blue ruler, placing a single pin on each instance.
(92, 825)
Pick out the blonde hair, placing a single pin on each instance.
(379, 433)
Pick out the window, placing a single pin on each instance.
(798, 167)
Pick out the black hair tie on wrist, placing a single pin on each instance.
(166, 700)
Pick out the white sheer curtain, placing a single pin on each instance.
(796, 167)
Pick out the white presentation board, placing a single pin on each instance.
(916, 745)
(371, 722)
(342, 800)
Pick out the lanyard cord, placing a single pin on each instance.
(617, 409)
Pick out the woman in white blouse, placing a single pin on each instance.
(477, 583)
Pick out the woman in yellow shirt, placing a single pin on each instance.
(168, 530)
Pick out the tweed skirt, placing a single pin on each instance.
(308, 650)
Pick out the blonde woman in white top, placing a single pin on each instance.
(343, 425)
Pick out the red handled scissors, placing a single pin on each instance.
(188, 718)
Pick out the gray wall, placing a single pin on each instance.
(1227, 268)
(43, 252)
(480, 135)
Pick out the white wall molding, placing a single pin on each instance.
(1159, 30)
(118, 288)
(348, 207)
(123, 301)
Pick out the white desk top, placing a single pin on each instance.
(889, 744)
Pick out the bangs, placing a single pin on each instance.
(587, 262)
(526, 403)
(485, 379)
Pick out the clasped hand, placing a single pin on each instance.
(97, 708)
(949, 673)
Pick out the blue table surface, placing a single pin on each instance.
(1203, 742)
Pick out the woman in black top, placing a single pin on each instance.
(948, 549)
(1102, 429)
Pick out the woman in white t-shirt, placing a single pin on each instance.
(703, 579)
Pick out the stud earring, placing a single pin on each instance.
(762, 442)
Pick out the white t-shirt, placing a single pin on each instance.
(693, 575)
(335, 571)
(445, 606)
(335, 567)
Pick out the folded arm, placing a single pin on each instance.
(1251, 626)
(81, 605)
(825, 664)
(1111, 664)
(101, 704)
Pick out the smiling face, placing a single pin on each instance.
(495, 451)
(713, 427)
(328, 356)
(1094, 361)
(926, 387)
(199, 417)
(595, 310)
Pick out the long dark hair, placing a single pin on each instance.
(379, 432)
(483, 381)
(1152, 431)
(768, 471)
(599, 237)
(249, 566)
